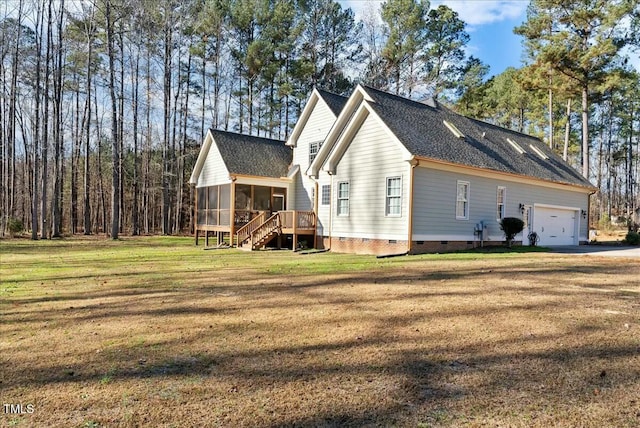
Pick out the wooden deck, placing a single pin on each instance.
(254, 229)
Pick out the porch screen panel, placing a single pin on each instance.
(243, 197)
(202, 205)
(213, 197)
(225, 204)
(262, 198)
(212, 213)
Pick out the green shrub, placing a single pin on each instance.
(632, 238)
(511, 226)
(15, 226)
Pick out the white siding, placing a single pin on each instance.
(370, 158)
(214, 171)
(435, 204)
(316, 129)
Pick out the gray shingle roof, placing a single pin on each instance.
(421, 129)
(334, 101)
(249, 155)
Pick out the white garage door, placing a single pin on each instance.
(555, 226)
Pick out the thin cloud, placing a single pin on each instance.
(473, 12)
(482, 12)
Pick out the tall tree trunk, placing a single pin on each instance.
(610, 161)
(585, 131)
(173, 176)
(567, 132)
(11, 130)
(147, 159)
(168, 40)
(629, 166)
(75, 158)
(181, 158)
(115, 177)
(56, 209)
(87, 141)
(36, 133)
(121, 203)
(550, 108)
(135, 77)
(100, 176)
(46, 228)
(204, 94)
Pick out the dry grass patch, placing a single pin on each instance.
(156, 332)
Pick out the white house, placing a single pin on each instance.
(383, 174)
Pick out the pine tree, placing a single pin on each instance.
(580, 39)
(446, 38)
(406, 22)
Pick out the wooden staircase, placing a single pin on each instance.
(259, 232)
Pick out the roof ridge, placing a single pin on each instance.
(330, 92)
(437, 103)
(239, 134)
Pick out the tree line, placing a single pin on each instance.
(105, 102)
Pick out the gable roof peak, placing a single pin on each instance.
(250, 155)
(424, 132)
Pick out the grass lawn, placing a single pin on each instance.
(157, 332)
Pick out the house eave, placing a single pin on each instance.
(235, 177)
(444, 165)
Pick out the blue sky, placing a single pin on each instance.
(490, 25)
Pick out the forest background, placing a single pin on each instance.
(106, 102)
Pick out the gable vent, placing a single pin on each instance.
(516, 146)
(538, 152)
(455, 131)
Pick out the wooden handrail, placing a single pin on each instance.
(244, 233)
(270, 225)
(305, 220)
(297, 219)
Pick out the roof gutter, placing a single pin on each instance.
(413, 162)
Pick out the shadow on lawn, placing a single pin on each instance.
(423, 374)
(172, 299)
(424, 380)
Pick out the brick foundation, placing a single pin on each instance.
(421, 247)
(384, 246)
(362, 245)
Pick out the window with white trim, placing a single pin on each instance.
(462, 200)
(501, 197)
(393, 201)
(343, 198)
(313, 150)
(326, 194)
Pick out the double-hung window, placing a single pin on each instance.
(326, 194)
(393, 201)
(313, 150)
(501, 197)
(462, 201)
(343, 198)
